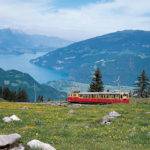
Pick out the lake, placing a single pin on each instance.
(21, 63)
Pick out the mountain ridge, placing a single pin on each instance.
(17, 42)
(123, 53)
(15, 79)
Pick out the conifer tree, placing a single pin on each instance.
(6, 93)
(1, 92)
(142, 85)
(40, 99)
(22, 96)
(97, 83)
(13, 96)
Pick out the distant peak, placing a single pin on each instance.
(9, 30)
(5, 29)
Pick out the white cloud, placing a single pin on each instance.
(78, 23)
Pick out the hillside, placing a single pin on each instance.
(16, 42)
(80, 130)
(122, 53)
(15, 79)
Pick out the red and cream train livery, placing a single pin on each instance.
(98, 97)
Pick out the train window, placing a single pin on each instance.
(124, 95)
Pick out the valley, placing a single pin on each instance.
(74, 75)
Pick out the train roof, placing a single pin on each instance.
(118, 92)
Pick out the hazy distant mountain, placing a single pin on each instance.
(16, 79)
(122, 53)
(13, 41)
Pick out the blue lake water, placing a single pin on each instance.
(21, 63)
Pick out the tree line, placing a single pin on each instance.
(13, 95)
(19, 95)
(142, 85)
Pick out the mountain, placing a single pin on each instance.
(123, 53)
(16, 42)
(15, 79)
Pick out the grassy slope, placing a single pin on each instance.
(81, 130)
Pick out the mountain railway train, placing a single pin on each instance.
(98, 97)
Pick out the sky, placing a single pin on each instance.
(74, 19)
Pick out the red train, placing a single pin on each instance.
(98, 97)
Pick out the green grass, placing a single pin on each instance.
(81, 130)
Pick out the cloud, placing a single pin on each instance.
(93, 19)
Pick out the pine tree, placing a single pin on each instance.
(13, 96)
(1, 92)
(40, 99)
(6, 93)
(22, 96)
(97, 83)
(149, 90)
(142, 85)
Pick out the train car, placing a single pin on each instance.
(98, 97)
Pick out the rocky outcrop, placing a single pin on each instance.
(10, 142)
(106, 120)
(11, 118)
(36, 144)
